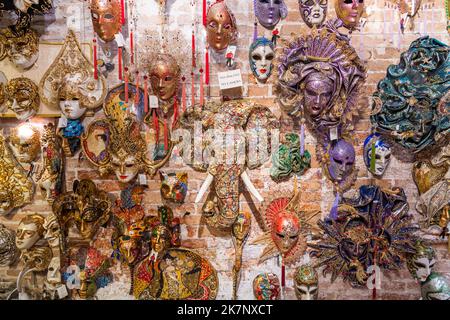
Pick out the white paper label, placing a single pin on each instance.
(62, 122)
(230, 79)
(334, 134)
(154, 102)
(73, 19)
(142, 179)
(62, 292)
(120, 40)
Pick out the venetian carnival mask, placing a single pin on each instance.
(420, 264)
(130, 249)
(418, 118)
(261, 57)
(220, 26)
(37, 258)
(164, 76)
(266, 286)
(313, 12)
(436, 287)
(8, 249)
(306, 281)
(54, 271)
(25, 142)
(377, 154)
(270, 12)
(342, 159)
(174, 186)
(106, 18)
(22, 50)
(285, 232)
(52, 231)
(350, 12)
(29, 231)
(160, 239)
(23, 98)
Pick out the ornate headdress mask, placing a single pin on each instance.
(313, 12)
(220, 26)
(411, 103)
(106, 18)
(270, 12)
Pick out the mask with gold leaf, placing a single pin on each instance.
(23, 98)
(25, 142)
(174, 186)
(22, 50)
(106, 18)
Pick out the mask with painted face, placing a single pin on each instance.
(106, 18)
(25, 142)
(350, 12)
(266, 286)
(22, 50)
(130, 249)
(160, 239)
(313, 12)
(342, 160)
(376, 146)
(52, 231)
(8, 249)
(261, 56)
(220, 26)
(24, 98)
(174, 186)
(436, 287)
(421, 263)
(29, 231)
(306, 282)
(286, 231)
(54, 271)
(164, 76)
(270, 12)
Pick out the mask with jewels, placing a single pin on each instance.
(377, 154)
(350, 12)
(25, 142)
(436, 287)
(342, 159)
(220, 26)
(266, 286)
(106, 18)
(8, 249)
(306, 282)
(320, 76)
(261, 56)
(164, 76)
(174, 186)
(23, 98)
(313, 12)
(419, 117)
(30, 231)
(421, 263)
(270, 12)
(22, 50)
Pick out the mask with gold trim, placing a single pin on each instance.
(349, 11)
(8, 249)
(306, 281)
(25, 142)
(174, 186)
(106, 18)
(23, 50)
(30, 231)
(220, 26)
(23, 98)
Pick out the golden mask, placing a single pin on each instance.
(426, 175)
(220, 26)
(38, 258)
(30, 231)
(106, 18)
(164, 75)
(16, 189)
(71, 78)
(23, 98)
(22, 50)
(350, 12)
(25, 142)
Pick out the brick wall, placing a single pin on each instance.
(379, 43)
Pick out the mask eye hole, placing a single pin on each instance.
(337, 161)
(256, 57)
(280, 235)
(269, 57)
(108, 16)
(94, 16)
(227, 26)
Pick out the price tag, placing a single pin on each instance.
(230, 79)
(154, 102)
(143, 180)
(62, 292)
(62, 122)
(334, 134)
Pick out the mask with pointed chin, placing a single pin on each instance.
(261, 58)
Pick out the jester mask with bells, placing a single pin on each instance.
(261, 56)
(266, 286)
(50, 178)
(377, 154)
(419, 117)
(270, 12)
(25, 142)
(106, 18)
(372, 229)
(115, 143)
(287, 228)
(319, 78)
(221, 26)
(16, 189)
(22, 51)
(313, 12)
(349, 11)
(23, 98)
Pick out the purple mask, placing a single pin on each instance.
(342, 160)
(270, 12)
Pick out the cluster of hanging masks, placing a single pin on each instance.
(411, 102)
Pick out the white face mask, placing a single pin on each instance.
(126, 170)
(305, 292)
(71, 109)
(22, 110)
(261, 59)
(424, 268)
(53, 273)
(23, 62)
(382, 160)
(27, 235)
